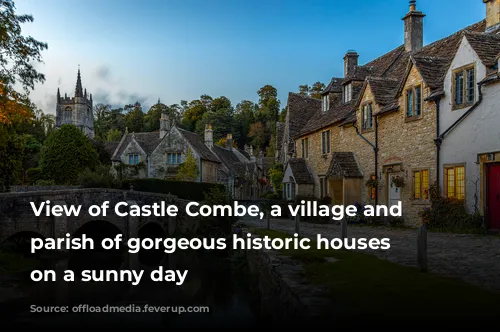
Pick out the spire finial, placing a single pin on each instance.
(413, 5)
(78, 89)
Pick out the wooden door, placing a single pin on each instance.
(493, 189)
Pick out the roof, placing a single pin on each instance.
(300, 171)
(387, 73)
(147, 141)
(199, 145)
(110, 147)
(300, 110)
(344, 164)
(229, 158)
(487, 46)
(335, 86)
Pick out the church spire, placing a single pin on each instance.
(58, 95)
(78, 90)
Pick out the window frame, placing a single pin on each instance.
(413, 89)
(446, 181)
(326, 103)
(363, 127)
(135, 157)
(347, 93)
(175, 156)
(464, 70)
(423, 190)
(326, 142)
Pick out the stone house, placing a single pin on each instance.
(469, 122)
(160, 154)
(372, 137)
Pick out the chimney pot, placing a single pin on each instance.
(414, 28)
(209, 135)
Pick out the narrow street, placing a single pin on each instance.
(472, 258)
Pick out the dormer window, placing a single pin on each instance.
(464, 87)
(347, 92)
(326, 103)
(367, 117)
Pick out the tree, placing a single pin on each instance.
(134, 119)
(188, 170)
(276, 174)
(304, 89)
(65, 154)
(316, 90)
(18, 54)
(258, 135)
(223, 142)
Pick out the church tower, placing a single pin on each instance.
(77, 110)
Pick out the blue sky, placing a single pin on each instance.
(178, 50)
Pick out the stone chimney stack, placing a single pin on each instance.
(414, 28)
(229, 141)
(492, 14)
(209, 135)
(350, 62)
(164, 124)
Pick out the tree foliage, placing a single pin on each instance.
(65, 154)
(276, 173)
(188, 170)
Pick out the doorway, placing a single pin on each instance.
(394, 193)
(493, 195)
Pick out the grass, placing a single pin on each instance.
(14, 263)
(380, 291)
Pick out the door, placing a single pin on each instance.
(493, 189)
(394, 194)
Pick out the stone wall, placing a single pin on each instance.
(284, 294)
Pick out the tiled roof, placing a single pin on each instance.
(335, 85)
(147, 141)
(300, 171)
(344, 164)
(197, 143)
(487, 46)
(388, 72)
(300, 110)
(228, 158)
(110, 147)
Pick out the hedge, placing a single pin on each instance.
(194, 191)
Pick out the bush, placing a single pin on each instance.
(194, 191)
(450, 214)
(33, 175)
(101, 177)
(45, 183)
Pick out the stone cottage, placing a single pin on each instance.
(160, 155)
(372, 137)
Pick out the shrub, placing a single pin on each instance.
(45, 183)
(33, 175)
(101, 177)
(194, 191)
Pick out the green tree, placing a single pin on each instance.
(276, 174)
(113, 135)
(188, 170)
(11, 156)
(316, 90)
(134, 119)
(304, 89)
(65, 154)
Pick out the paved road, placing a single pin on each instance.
(472, 258)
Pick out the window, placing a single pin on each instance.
(133, 159)
(67, 116)
(325, 142)
(454, 182)
(307, 148)
(421, 184)
(414, 101)
(174, 158)
(347, 91)
(367, 118)
(326, 103)
(464, 90)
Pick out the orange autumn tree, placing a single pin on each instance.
(18, 57)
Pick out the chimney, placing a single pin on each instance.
(229, 141)
(350, 62)
(414, 28)
(164, 124)
(209, 135)
(492, 13)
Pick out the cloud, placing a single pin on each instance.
(120, 98)
(48, 104)
(59, 81)
(102, 73)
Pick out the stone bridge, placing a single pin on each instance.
(17, 215)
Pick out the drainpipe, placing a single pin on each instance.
(375, 150)
(437, 141)
(440, 137)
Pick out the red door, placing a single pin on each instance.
(494, 196)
